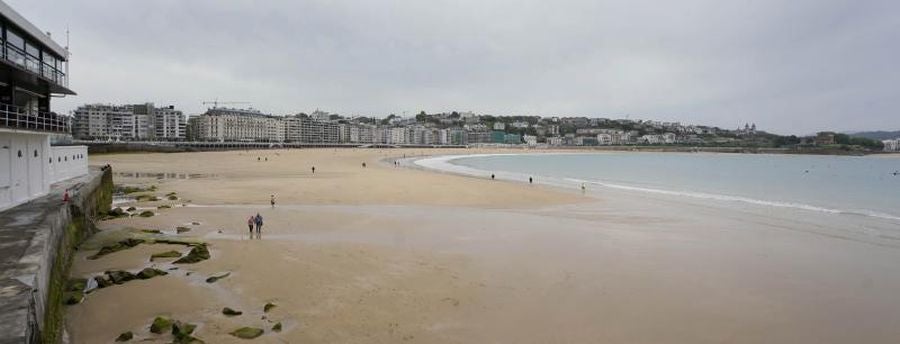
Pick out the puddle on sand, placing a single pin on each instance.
(164, 175)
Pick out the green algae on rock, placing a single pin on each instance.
(198, 253)
(125, 336)
(161, 324)
(167, 254)
(247, 332)
(230, 312)
(214, 279)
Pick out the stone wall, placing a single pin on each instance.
(40, 239)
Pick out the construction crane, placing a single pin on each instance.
(215, 103)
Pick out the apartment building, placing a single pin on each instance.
(245, 125)
(128, 122)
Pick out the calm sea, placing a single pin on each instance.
(838, 184)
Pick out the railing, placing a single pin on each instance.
(17, 118)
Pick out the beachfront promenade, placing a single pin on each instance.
(38, 238)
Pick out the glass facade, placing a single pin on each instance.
(30, 56)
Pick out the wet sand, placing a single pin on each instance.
(388, 255)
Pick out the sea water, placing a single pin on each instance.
(864, 186)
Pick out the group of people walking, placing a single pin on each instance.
(255, 222)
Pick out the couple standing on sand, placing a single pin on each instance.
(257, 221)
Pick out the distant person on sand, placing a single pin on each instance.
(259, 223)
(364, 165)
(250, 222)
(314, 170)
(267, 158)
(492, 176)
(272, 200)
(258, 158)
(583, 188)
(530, 180)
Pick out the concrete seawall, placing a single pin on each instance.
(38, 240)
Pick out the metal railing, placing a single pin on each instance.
(18, 118)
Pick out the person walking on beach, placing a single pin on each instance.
(259, 223)
(250, 222)
(364, 165)
(492, 176)
(272, 200)
(530, 180)
(314, 170)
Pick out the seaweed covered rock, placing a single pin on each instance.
(116, 212)
(121, 245)
(182, 329)
(164, 206)
(125, 336)
(268, 307)
(167, 254)
(198, 253)
(131, 209)
(119, 276)
(146, 213)
(247, 332)
(161, 324)
(172, 197)
(148, 273)
(277, 327)
(230, 312)
(182, 229)
(74, 292)
(214, 279)
(151, 231)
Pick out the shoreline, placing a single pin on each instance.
(385, 255)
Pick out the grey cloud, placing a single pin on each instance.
(790, 66)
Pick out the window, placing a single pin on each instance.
(14, 39)
(32, 50)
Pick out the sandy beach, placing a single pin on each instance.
(387, 254)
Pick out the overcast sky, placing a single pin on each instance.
(795, 66)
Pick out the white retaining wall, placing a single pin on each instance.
(28, 165)
(67, 162)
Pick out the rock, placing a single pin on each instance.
(214, 279)
(182, 329)
(230, 312)
(161, 324)
(76, 284)
(119, 276)
(268, 307)
(131, 209)
(121, 245)
(164, 206)
(146, 213)
(167, 254)
(195, 223)
(116, 212)
(198, 253)
(277, 327)
(103, 281)
(172, 197)
(149, 273)
(125, 336)
(247, 332)
(154, 199)
(73, 297)
(151, 231)
(181, 229)
(187, 340)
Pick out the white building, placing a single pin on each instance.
(892, 145)
(499, 126)
(224, 124)
(32, 73)
(530, 140)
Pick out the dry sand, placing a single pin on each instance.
(388, 255)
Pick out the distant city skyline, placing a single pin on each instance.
(791, 68)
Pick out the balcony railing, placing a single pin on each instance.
(18, 118)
